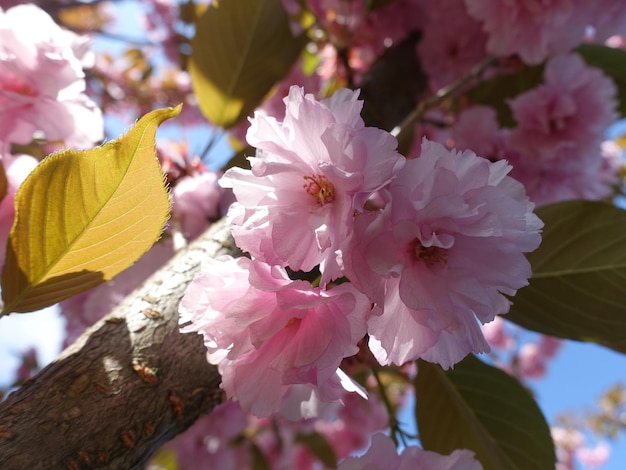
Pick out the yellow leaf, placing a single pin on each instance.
(164, 459)
(84, 216)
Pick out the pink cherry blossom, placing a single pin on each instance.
(211, 441)
(361, 32)
(477, 129)
(447, 249)
(549, 345)
(568, 114)
(594, 457)
(42, 81)
(555, 149)
(383, 454)
(608, 18)
(383, 28)
(496, 334)
(452, 42)
(532, 363)
(532, 29)
(566, 441)
(268, 333)
(16, 169)
(196, 201)
(356, 421)
(311, 173)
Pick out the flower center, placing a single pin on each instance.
(14, 85)
(430, 255)
(320, 188)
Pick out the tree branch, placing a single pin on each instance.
(129, 384)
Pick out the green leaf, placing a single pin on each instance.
(240, 51)
(479, 407)
(371, 5)
(259, 461)
(578, 287)
(612, 61)
(496, 91)
(84, 216)
(319, 447)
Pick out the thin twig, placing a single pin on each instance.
(393, 421)
(441, 94)
(116, 37)
(214, 137)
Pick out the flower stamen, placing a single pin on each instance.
(320, 188)
(430, 255)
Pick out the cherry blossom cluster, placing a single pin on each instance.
(430, 245)
(42, 81)
(572, 448)
(456, 34)
(355, 36)
(383, 454)
(538, 30)
(225, 438)
(515, 350)
(556, 146)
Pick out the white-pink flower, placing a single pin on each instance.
(594, 457)
(568, 114)
(211, 442)
(532, 363)
(363, 32)
(42, 86)
(356, 422)
(195, 202)
(496, 335)
(452, 42)
(555, 149)
(382, 454)
(445, 251)
(608, 18)
(42, 81)
(268, 333)
(532, 29)
(312, 171)
(477, 129)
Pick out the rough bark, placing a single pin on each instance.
(126, 386)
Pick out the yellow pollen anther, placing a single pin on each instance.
(320, 188)
(430, 255)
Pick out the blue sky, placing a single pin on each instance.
(581, 373)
